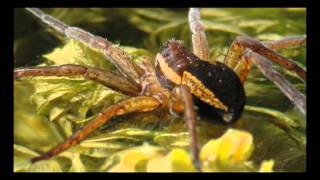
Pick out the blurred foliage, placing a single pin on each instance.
(49, 109)
(230, 152)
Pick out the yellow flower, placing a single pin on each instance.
(233, 148)
(177, 160)
(130, 160)
(266, 166)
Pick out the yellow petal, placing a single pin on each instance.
(177, 160)
(266, 166)
(129, 161)
(181, 160)
(235, 147)
(133, 159)
(160, 164)
(209, 151)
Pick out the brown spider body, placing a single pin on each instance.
(216, 88)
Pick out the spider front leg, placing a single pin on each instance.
(238, 48)
(103, 77)
(181, 101)
(136, 104)
(199, 38)
(115, 54)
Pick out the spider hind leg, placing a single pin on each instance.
(136, 104)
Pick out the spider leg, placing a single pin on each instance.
(150, 85)
(239, 46)
(199, 38)
(135, 104)
(243, 66)
(103, 77)
(265, 66)
(287, 42)
(115, 54)
(181, 101)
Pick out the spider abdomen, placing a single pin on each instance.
(217, 89)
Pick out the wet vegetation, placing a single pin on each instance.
(49, 109)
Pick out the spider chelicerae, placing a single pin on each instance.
(180, 78)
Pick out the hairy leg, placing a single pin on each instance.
(105, 78)
(136, 104)
(239, 46)
(199, 38)
(150, 85)
(287, 42)
(182, 102)
(115, 54)
(265, 66)
(243, 66)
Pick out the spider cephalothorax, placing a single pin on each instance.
(217, 88)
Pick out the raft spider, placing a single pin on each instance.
(179, 77)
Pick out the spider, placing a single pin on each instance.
(178, 80)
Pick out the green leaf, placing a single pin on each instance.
(45, 166)
(22, 157)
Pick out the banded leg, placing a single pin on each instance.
(266, 68)
(239, 46)
(287, 42)
(150, 85)
(108, 79)
(136, 104)
(116, 55)
(199, 38)
(181, 101)
(244, 65)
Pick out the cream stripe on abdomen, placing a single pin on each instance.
(200, 90)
